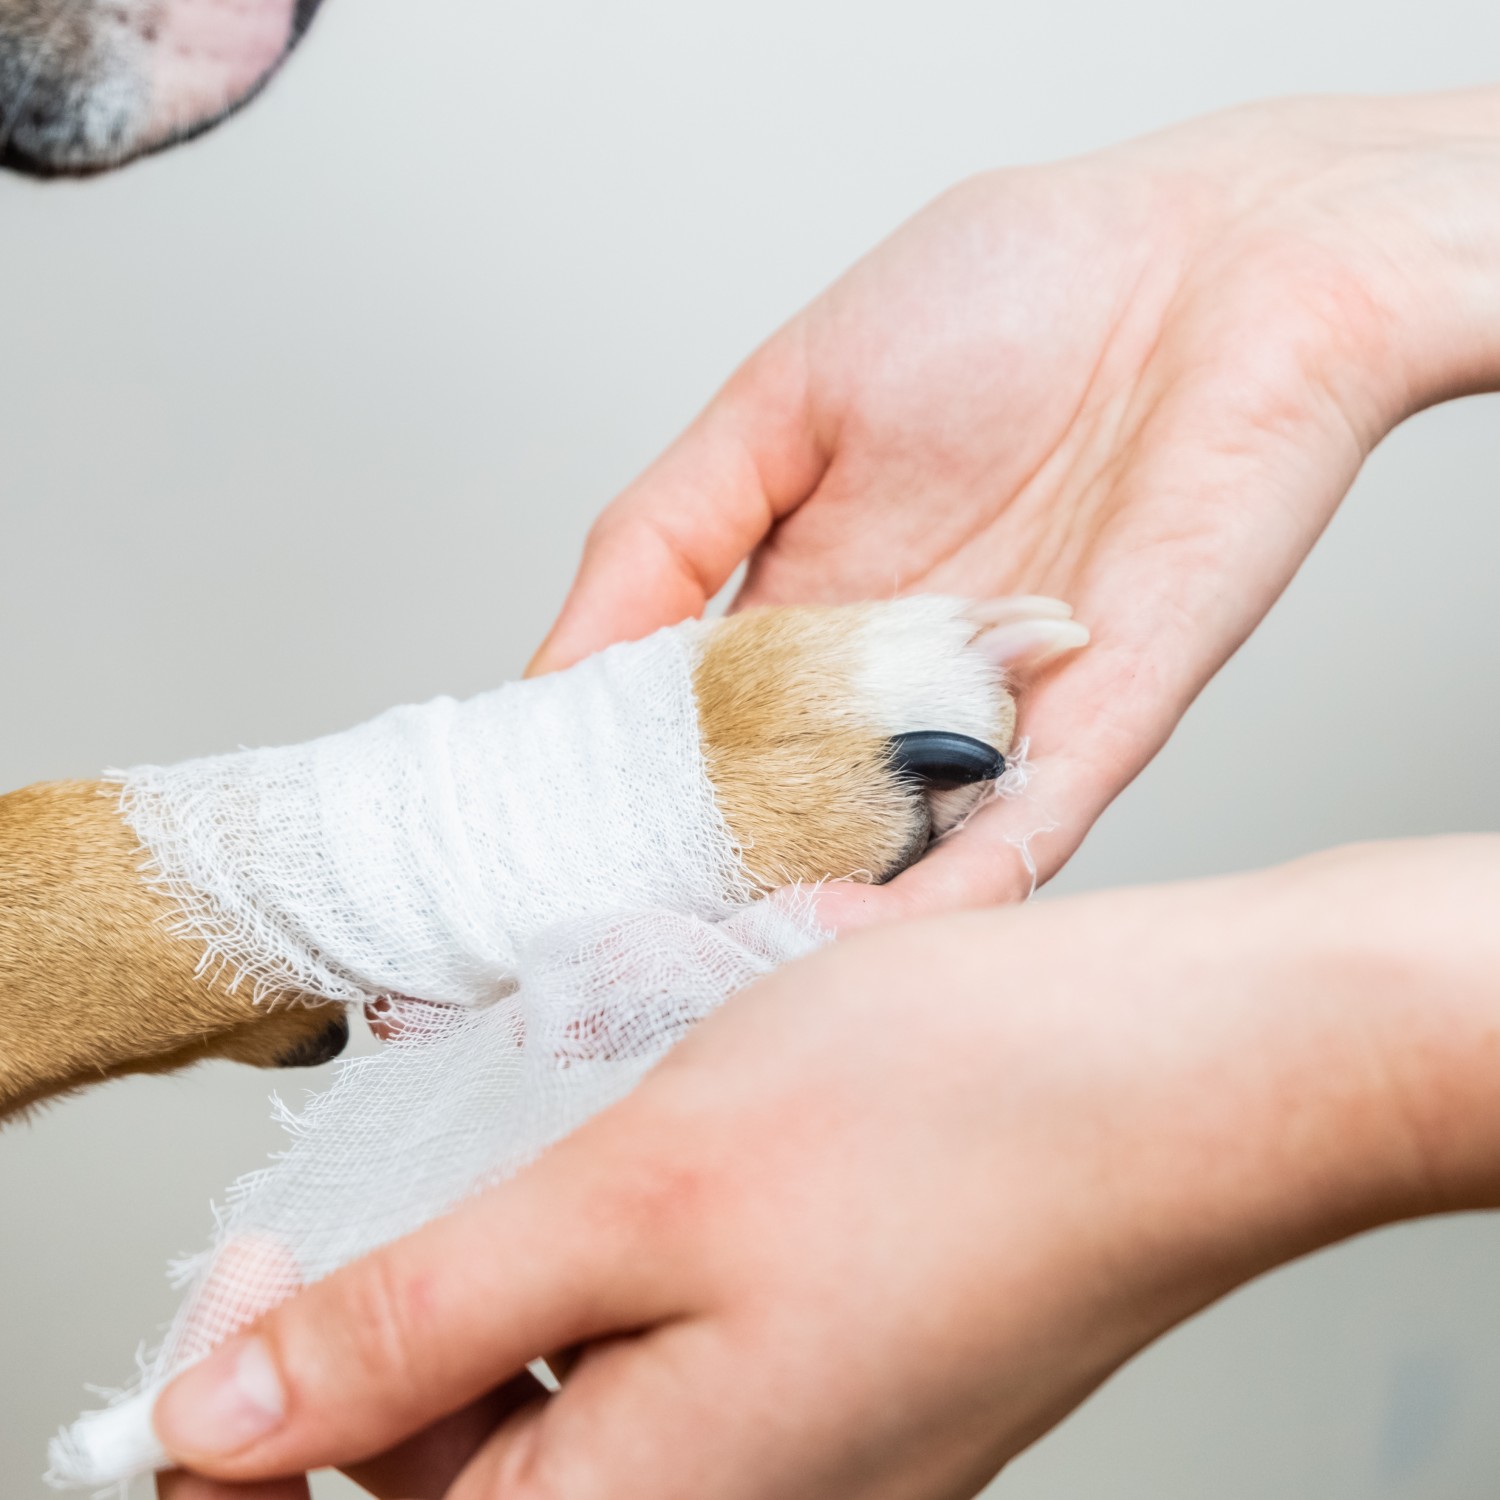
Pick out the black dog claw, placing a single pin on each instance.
(937, 759)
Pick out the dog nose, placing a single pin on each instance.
(13, 159)
(86, 87)
(322, 1048)
(35, 131)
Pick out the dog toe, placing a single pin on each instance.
(841, 740)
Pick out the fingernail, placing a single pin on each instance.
(222, 1405)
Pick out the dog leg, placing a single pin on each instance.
(92, 982)
(837, 740)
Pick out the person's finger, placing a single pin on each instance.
(421, 1468)
(391, 1344)
(740, 1408)
(669, 1413)
(425, 1466)
(661, 551)
(179, 1485)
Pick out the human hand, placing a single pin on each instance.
(1140, 381)
(850, 1241)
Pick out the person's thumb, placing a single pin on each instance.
(389, 1345)
(666, 546)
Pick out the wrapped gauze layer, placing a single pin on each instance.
(459, 1100)
(547, 858)
(415, 855)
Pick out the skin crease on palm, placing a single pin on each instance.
(1141, 381)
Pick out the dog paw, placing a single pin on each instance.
(842, 739)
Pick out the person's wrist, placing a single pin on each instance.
(1390, 954)
(1432, 163)
(1332, 1055)
(1285, 1136)
(1320, 1057)
(1203, 1054)
(1375, 227)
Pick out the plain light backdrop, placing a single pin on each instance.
(310, 418)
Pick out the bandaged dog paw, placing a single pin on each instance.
(418, 854)
(415, 854)
(227, 906)
(224, 907)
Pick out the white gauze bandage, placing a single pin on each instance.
(548, 859)
(417, 854)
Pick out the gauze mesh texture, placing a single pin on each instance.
(547, 859)
(460, 1099)
(415, 854)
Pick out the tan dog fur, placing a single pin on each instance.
(801, 773)
(92, 982)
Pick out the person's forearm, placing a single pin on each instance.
(1408, 935)
(1438, 162)
(1359, 1059)
(1291, 1057)
(1373, 227)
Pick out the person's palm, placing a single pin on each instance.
(1139, 382)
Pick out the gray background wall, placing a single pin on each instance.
(311, 417)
